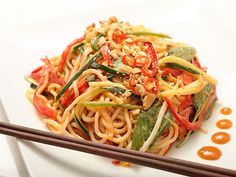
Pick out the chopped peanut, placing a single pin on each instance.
(125, 69)
(148, 101)
(141, 89)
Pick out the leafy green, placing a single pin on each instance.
(119, 90)
(200, 99)
(145, 124)
(181, 67)
(89, 63)
(165, 124)
(147, 33)
(186, 53)
(209, 111)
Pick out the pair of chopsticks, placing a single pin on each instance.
(150, 160)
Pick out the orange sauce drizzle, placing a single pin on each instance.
(226, 111)
(220, 138)
(209, 153)
(224, 124)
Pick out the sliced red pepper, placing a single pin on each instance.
(43, 108)
(69, 95)
(173, 72)
(66, 53)
(109, 142)
(106, 54)
(182, 132)
(188, 101)
(116, 162)
(118, 36)
(41, 74)
(182, 121)
(187, 78)
(151, 70)
(82, 85)
(37, 74)
(153, 89)
(40, 104)
(67, 98)
(128, 60)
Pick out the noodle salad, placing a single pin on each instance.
(125, 86)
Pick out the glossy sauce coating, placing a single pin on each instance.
(224, 124)
(209, 153)
(220, 138)
(226, 111)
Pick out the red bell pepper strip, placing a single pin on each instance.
(41, 74)
(69, 95)
(67, 98)
(36, 74)
(118, 36)
(182, 121)
(43, 108)
(154, 88)
(186, 78)
(188, 101)
(106, 54)
(153, 66)
(128, 60)
(66, 53)
(82, 85)
(173, 72)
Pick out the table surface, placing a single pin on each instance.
(15, 13)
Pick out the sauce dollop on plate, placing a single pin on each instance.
(220, 138)
(209, 153)
(226, 111)
(224, 124)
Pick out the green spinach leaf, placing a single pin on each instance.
(186, 53)
(145, 124)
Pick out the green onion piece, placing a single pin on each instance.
(94, 42)
(33, 83)
(82, 127)
(119, 90)
(107, 104)
(78, 46)
(93, 59)
(107, 69)
(181, 67)
(146, 33)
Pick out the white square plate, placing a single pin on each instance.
(198, 23)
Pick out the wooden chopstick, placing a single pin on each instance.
(136, 157)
